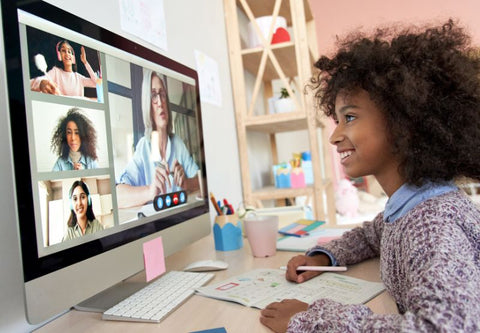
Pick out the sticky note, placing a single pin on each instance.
(153, 258)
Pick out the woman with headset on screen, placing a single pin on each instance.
(161, 162)
(74, 141)
(63, 78)
(82, 220)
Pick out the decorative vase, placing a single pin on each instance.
(284, 105)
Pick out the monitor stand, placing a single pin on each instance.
(109, 297)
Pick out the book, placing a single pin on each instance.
(300, 228)
(317, 237)
(260, 287)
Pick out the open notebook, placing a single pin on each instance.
(260, 287)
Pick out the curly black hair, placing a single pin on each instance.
(88, 135)
(426, 82)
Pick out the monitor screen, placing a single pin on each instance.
(107, 145)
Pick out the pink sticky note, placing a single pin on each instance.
(153, 258)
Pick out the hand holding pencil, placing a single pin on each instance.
(295, 273)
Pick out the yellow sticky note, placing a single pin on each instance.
(153, 258)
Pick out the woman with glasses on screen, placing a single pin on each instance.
(63, 78)
(75, 140)
(161, 162)
(82, 220)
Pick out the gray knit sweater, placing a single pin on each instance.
(430, 264)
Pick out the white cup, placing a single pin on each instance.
(261, 232)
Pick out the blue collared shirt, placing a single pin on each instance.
(67, 164)
(140, 170)
(408, 196)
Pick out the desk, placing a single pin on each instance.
(200, 312)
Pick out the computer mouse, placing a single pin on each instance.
(206, 265)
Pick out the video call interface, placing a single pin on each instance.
(113, 139)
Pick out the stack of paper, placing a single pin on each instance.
(317, 237)
(300, 228)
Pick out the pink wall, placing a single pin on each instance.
(343, 16)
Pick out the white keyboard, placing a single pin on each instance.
(159, 298)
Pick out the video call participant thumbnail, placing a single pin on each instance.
(161, 162)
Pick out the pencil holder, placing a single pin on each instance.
(227, 232)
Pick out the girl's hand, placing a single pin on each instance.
(302, 260)
(178, 174)
(49, 87)
(83, 55)
(276, 316)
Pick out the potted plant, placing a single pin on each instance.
(284, 103)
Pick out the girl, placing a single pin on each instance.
(63, 78)
(407, 110)
(82, 219)
(161, 162)
(74, 141)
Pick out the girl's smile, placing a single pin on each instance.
(362, 140)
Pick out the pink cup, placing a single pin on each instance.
(261, 232)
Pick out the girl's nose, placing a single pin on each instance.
(336, 135)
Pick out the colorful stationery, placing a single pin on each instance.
(300, 228)
(319, 236)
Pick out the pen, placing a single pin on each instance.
(230, 207)
(214, 202)
(300, 233)
(319, 268)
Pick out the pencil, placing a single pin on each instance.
(214, 202)
(319, 268)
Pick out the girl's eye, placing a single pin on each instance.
(349, 118)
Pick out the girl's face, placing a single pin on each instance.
(159, 107)
(66, 53)
(73, 136)
(362, 140)
(79, 202)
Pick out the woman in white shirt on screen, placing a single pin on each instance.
(161, 162)
(63, 78)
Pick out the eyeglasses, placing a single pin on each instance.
(155, 95)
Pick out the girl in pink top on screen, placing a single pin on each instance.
(63, 78)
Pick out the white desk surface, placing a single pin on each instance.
(201, 313)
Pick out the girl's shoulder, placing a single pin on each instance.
(455, 200)
(446, 210)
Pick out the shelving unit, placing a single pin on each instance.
(291, 63)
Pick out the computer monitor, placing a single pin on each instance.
(107, 151)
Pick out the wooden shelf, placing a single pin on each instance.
(279, 122)
(271, 192)
(291, 61)
(284, 53)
